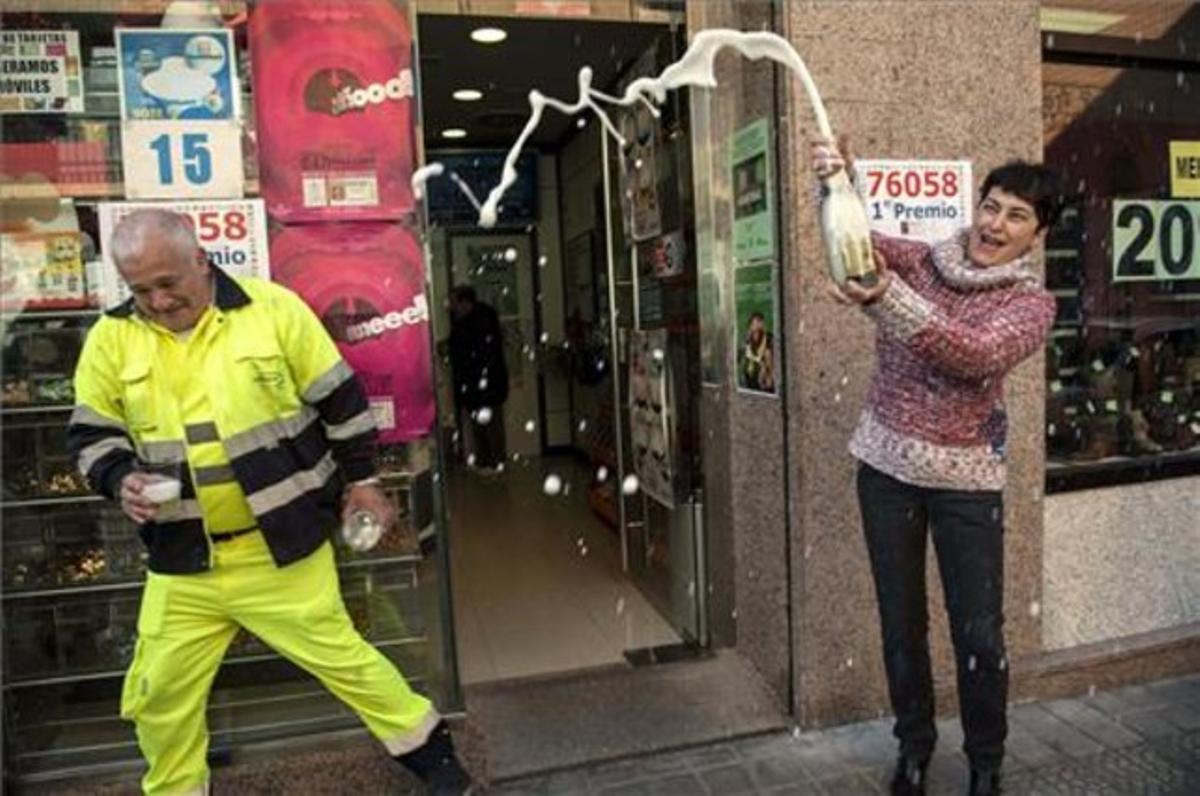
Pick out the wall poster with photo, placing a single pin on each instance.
(755, 332)
(652, 415)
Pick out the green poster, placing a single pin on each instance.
(753, 196)
(755, 333)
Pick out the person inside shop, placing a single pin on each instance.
(220, 415)
(480, 378)
(952, 320)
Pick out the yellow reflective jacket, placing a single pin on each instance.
(294, 422)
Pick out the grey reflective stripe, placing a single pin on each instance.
(202, 432)
(88, 416)
(287, 490)
(217, 474)
(167, 452)
(327, 382)
(187, 510)
(96, 451)
(268, 434)
(362, 422)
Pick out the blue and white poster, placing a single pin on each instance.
(169, 74)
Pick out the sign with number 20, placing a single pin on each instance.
(182, 160)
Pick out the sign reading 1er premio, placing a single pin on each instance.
(233, 233)
(926, 200)
(1155, 240)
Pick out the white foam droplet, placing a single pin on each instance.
(583, 550)
(552, 485)
(483, 415)
(470, 460)
(971, 663)
(658, 355)
(530, 426)
(545, 338)
(620, 605)
(1035, 609)
(582, 425)
(510, 254)
(483, 383)
(542, 261)
(602, 474)
(630, 485)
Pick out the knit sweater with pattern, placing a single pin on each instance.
(948, 332)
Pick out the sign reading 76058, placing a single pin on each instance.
(1155, 241)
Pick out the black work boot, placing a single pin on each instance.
(984, 782)
(909, 777)
(436, 764)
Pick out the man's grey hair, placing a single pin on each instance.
(129, 237)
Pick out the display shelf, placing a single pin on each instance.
(109, 674)
(52, 501)
(10, 594)
(33, 314)
(364, 560)
(36, 410)
(83, 190)
(109, 190)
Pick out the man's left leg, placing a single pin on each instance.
(968, 535)
(298, 611)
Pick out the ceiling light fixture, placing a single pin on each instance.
(488, 35)
(468, 95)
(454, 132)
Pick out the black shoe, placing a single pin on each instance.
(909, 777)
(436, 764)
(984, 783)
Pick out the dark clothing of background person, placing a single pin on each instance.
(480, 378)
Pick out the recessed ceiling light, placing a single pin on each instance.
(467, 95)
(488, 35)
(454, 132)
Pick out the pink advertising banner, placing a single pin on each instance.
(367, 284)
(333, 96)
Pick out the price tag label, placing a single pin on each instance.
(1155, 241)
(182, 159)
(925, 200)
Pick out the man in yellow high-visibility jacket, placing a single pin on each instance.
(236, 385)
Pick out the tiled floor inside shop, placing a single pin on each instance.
(537, 579)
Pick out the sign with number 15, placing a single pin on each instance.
(182, 159)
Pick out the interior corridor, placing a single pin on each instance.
(537, 579)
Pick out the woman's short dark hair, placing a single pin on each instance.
(1032, 182)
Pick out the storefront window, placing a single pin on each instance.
(1122, 125)
(108, 103)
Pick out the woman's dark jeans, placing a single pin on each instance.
(968, 538)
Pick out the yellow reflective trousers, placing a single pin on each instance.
(188, 621)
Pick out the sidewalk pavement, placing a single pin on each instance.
(1138, 739)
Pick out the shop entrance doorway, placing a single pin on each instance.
(582, 550)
